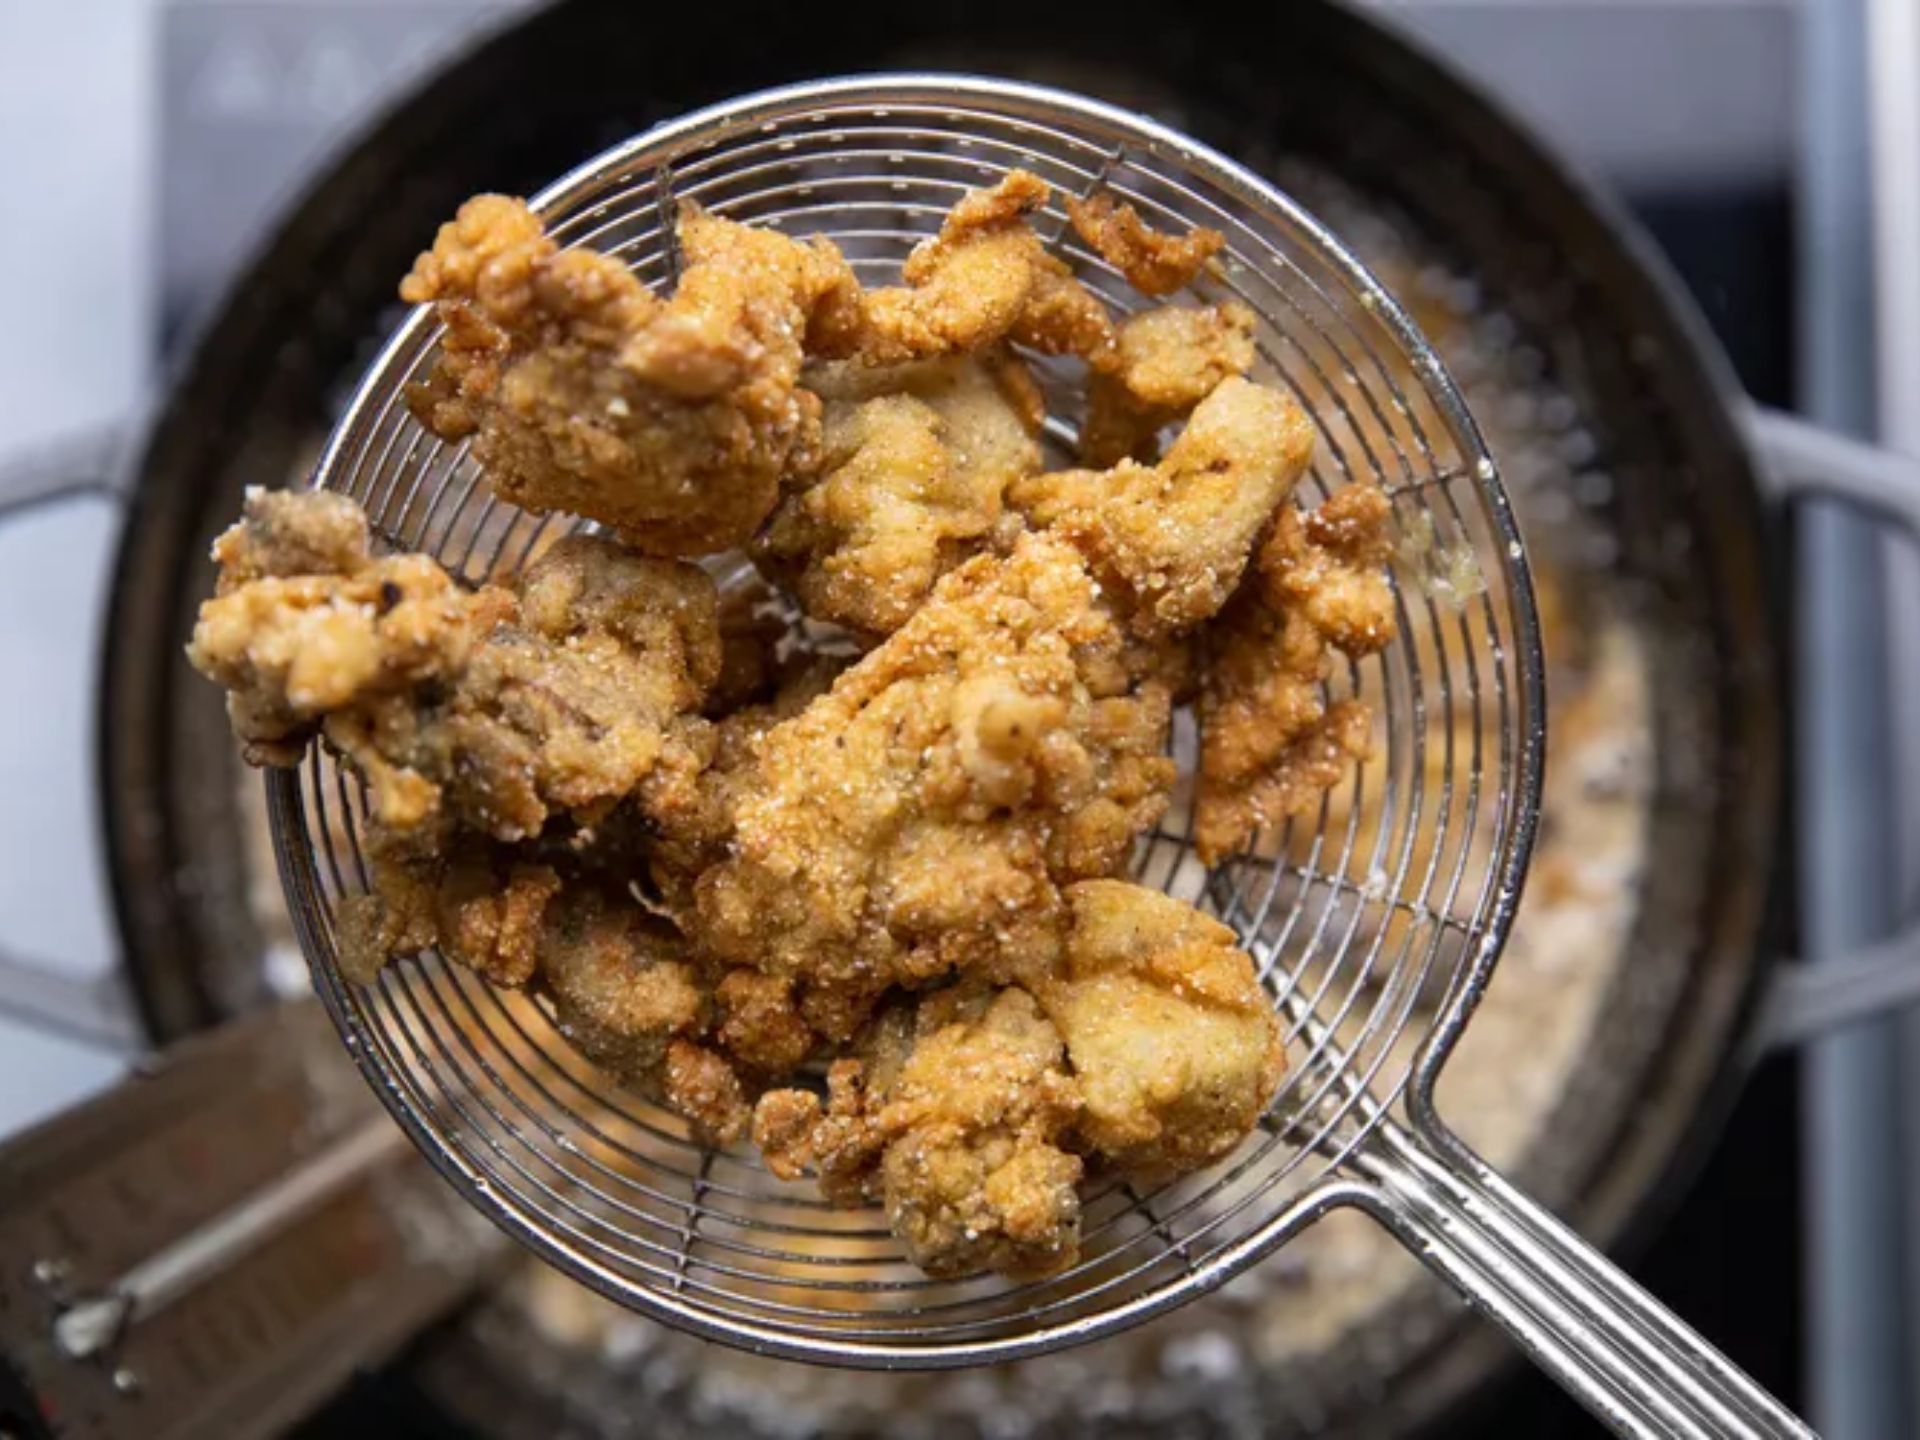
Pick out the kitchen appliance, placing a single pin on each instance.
(1328, 91)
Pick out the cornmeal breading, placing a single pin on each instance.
(1166, 361)
(985, 278)
(917, 818)
(1171, 540)
(1270, 744)
(1174, 1046)
(496, 709)
(669, 420)
(953, 1124)
(1154, 262)
(912, 471)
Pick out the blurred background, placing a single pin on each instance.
(1771, 150)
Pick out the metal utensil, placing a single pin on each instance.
(1348, 933)
(213, 1247)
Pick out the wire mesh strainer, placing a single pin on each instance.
(1375, 923)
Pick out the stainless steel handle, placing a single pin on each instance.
(99, 1011)
(1804, 461)
(1639, 1369)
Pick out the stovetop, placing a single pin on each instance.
(251, 96)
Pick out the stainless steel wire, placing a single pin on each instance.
(1375, 922)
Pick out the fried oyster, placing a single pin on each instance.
(952, 1118)
(670, 421)
(494, 708)
(1152, 261)
(984, 279)
(1166, 361)
(909, 481)
(1172, 539)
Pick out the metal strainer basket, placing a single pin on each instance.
(1375, 923)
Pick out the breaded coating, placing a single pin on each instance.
(623, 988)
(917, 818)
(702, 1086)
(957, 1140)
(1270, 745)
(669, 421)
(305, 623)
(628, 997)
(760, 1026)
(984, 279)
(1172, 1042)
(285, 533)
(913, 467)
(675, 851)
(1171, 540)
(1330, 565)
(1153, 262)
(1167, 360)
(479, 904)
(492, 709)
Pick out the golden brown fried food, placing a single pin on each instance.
(624, 990)
(494, 709)
(1330, 565)
(953, 1126)
(1171, 540)
(1166, 361)
(984, 279)
(760, 1025)
(1153, 262)
(674, 850)
(621, 986)
(1270, 745)
(1172, 1042)
(670, 421)
(285, 533)
(305, 622)
(479, 904)
(912, 470)
(716, 862)
(916, 819)
(627, 996)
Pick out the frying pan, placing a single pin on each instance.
(1344, 112)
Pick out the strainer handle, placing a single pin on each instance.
(1611, 1345)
